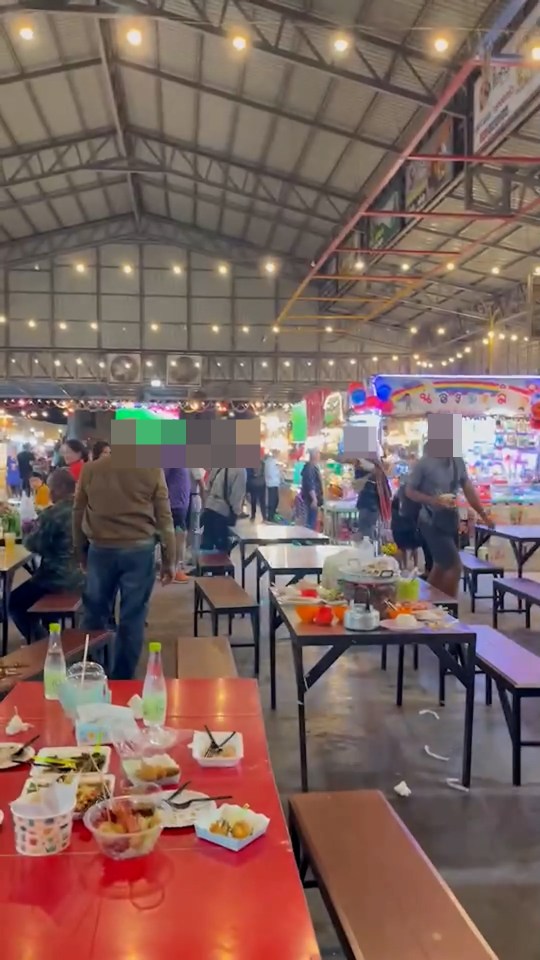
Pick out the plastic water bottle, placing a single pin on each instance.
(54, 670)
(154, 694)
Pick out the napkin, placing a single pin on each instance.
(136, 705)
(402, 789)
(16, 725)
(97, 723)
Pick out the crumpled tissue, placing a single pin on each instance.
(16, 724)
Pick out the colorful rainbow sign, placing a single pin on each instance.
(470, 396)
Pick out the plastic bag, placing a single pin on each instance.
(27, 509)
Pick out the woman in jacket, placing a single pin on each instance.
(374, 500)
(75, 455)
(226, 492)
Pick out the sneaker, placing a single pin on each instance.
(181, 577)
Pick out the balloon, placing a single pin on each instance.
(372, 403)
(387, 406)
(358, 396)
(384, 392)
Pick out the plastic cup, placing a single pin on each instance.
(42, 836)
(9, 540)
(408, 590)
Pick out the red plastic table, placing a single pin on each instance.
(189, 898)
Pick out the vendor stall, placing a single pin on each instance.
(500, 439)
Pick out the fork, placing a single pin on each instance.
(181, 788)
(187, 803)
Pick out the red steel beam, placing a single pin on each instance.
(432, 114)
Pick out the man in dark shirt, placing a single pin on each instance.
(52, 540)
(312, 489)
(25, 459)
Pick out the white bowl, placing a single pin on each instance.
(232, 813)
(201, 743)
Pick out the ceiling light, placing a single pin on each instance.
(155, 383)
(359, 264)
(514, 337)
(395, 357)
(537, 271)
(13, 360)
(264, 363)
(57, 363)
(441, 44)
(416, 356)
(134, 37)
(485, 341)
(239, 42)
(241, 363)
(496, 271)
(32, 323)
(27, 33)
(502, 336)
(287, 363)
(405, 267)
(526, 339)
(444, 363)
(467, 350)
(62, 325)
(245, 329)
(441, 331)
(418, 363)
(491, 335)
(215, 328)
(149, 363)
(127, 268)
(154, 327)
(330, 363)
(329, 329)
(223, 269)
(374, 359)
(36, 266)
(413, 329)
(309, 362)
(270, 266)
(275, 329)
(127, 366)
(352, 360)
(451, 359)
(80, 267)
(101, 364)
(2, 319)
(341, 43)
(177, 269)
(459, 356)
(450, 266)
(78, 361)
(197, 364)
(94, 326)
(535, 52)
(430, 365)
(36, 360)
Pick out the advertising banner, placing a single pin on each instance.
(424, 178)
(501, 91)
(381, 230)
(470, 396)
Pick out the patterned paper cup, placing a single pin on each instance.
(42, 836)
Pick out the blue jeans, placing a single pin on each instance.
(131, 572)
(312, 517)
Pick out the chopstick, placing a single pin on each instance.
(218, 746)
(212, 741)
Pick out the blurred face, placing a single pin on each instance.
(69, 455)
(315, 456)
(106, 452)
(35, 483)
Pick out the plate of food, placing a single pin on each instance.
(403, 623)
(160, 769)
(384, 568)
(8, 760)
(55, 760)
(174, 818)
(90, 789)
(218, 749)
(231, 826)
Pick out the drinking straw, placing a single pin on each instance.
(86, 642)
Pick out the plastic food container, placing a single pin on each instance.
(201, 743)
(233, 815)
(124, 846)
(42, 836)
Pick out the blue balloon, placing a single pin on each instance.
(384, 392)
(358, 397)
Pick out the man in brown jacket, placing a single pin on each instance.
(119, 514)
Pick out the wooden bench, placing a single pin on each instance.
(473, 568)
(223, 595)
(58, 606)
(516, 673)
(204, 658)
(527, 591)
(214, 564)
(385, 898)
(27, 662)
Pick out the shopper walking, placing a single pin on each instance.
(118, 515)
(226, 492)
(312, 489)
(272, 479)
(256, 490)
(434, 484)
(75, 456)
(374, 498)
(178, 480)
(25, 460)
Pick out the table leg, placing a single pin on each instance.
(196, 612)
(243, 561)
(272, 640)
(258, 576)
(470, 678)
(256, 638)
(301, 692)
(215, 623)
(401, 660)
(5, 612)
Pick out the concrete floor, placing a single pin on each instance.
(486, 843)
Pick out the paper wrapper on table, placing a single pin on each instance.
(98, 723)
(232, 814)
(43, 825)
(16, 725)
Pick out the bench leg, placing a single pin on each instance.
(298, 659)
(215, 623)
(442, 684)
(401, 661)
(230, 623)
(495, 607)
(528, 615)
(489, 691)
(384, 657)
(416, 655)
(255, 622)
(196, 613)
(272, 642)
(473, 585)
(516, 740)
